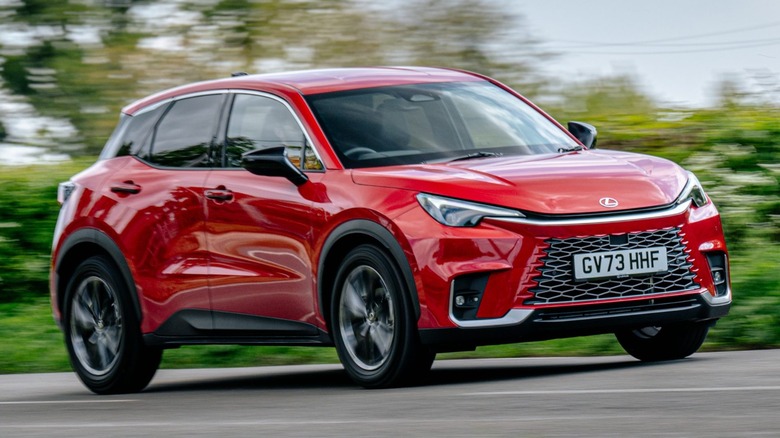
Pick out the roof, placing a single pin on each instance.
(321, 81)
(310, 82)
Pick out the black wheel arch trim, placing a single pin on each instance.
(97, 237)
(364, 227)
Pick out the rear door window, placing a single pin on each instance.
(185, 135)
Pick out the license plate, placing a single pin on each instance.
(619, 263)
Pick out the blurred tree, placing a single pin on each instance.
(625, 116)
(730, 92)
(57, 69)
(90, 59)
(14, 73)
(476, 35)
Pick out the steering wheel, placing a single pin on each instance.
(355, 152)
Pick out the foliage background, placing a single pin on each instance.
(84, 60)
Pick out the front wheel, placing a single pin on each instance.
(102, 331)
(652, 344)
(375, 331)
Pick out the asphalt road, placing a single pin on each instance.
(735, 394)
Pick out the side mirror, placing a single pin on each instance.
(584, 132)
(272, 162)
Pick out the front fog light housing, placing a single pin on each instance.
(466, 296)
(718, 276)
(719, 271)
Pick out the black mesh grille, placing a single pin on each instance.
(556, 282)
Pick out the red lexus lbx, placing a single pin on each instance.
(390, 212)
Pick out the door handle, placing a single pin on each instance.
(128, 187)
(219, 194)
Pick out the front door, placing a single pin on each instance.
(259, 228)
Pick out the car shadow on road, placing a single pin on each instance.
(291, 378)
(498, 372)
(444, 373)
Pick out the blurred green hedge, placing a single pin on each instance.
(28, 212)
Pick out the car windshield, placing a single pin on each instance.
(427, 123)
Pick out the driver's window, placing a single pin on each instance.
(258, 122)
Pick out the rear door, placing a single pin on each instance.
(159, 212)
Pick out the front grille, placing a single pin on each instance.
(556, 282)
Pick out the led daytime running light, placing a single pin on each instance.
(457, 213)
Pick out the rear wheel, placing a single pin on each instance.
(102, 331)
(664, 343)
(374, 328)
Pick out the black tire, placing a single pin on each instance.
(102, 331)
(373, 322)
(651, 344)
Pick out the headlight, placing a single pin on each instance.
(457, 213)
(693, 192)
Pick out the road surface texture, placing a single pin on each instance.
(730, 394)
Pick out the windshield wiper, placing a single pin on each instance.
(571, 149)
(480, 154)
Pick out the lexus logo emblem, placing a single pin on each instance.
(608, 202)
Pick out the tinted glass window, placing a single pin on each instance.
(115, 141)
(184, 135)
(258, 122)
(138, 135)
(412, 124)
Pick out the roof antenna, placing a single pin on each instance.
(238, 73)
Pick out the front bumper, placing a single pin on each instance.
(520, 325)
(504, 272)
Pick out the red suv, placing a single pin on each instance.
(390, 212)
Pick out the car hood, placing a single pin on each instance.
(571, 183)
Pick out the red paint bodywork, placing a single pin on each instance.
(258, 253)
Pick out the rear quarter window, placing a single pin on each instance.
(133, 134)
